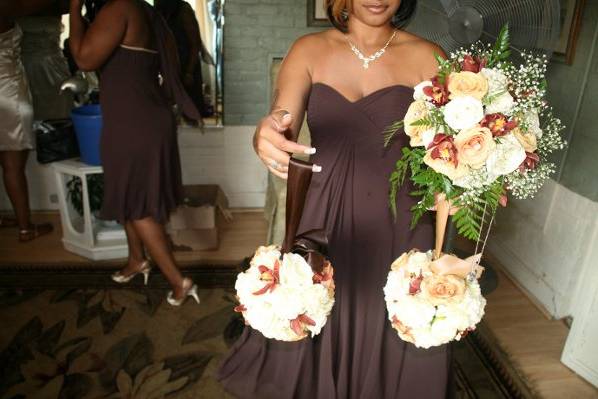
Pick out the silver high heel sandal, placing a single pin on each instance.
(144, 269)
(191, 292)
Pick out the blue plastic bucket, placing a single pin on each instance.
(88, 127)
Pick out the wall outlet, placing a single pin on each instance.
(53, 198)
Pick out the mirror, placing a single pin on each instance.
(197, 26)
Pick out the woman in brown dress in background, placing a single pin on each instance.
(358, 354)
(133, 49)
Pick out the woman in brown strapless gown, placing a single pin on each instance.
(358, 354)
(133, 48)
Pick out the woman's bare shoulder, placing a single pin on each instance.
(419, 46)
(317, 41)
(421, 52)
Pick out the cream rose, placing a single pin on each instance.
(446, 289)
(474, 145)
(461, 84)
(445, 167)
(416, 111)
(527, 139)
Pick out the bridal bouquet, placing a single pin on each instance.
(476, 133)
(282, 297)
(431, 302)
(479, 129)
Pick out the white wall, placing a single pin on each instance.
(219, 156)
(546, 244)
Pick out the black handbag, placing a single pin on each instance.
(55, 140)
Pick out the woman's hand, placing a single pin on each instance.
(272, 146)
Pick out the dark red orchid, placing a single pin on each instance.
(471, 64)
(298, 324)
(498, 124)
(270, 276)
(531, 161)
(415, 284)
(438, 92)
(443, 147)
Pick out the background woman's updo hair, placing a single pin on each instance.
(337, 11)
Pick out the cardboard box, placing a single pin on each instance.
(193, 226)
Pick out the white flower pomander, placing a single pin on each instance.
(427, 304)
(463, 112)
(497, 80)
(504, 104)
(532, 121)
(418, 91)
(280, 298)
(506, 158)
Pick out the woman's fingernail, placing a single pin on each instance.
(316, 168)
(310, 151)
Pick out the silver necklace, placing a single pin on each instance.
(373, 57)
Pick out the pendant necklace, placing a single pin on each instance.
(373, 57)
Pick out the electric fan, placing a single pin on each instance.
(533, 24)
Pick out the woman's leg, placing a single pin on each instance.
(15, 182)
(136, 252)
(154, 238)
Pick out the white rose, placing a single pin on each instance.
(424, 338)
(295, 271)
(265, 256)
(287, 303)
(506, 158)
(419, 262)
(443, 331)
(497, 80)
(503, 104)
(397, 285)
(413, 312)
(532, 121)
(418, 91)
(463, 112)
(318, 305)
(247, 283)
(263, 319)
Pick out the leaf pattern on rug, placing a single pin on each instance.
(153, 382)
(49, 369)
(108, 305)
(131, 354)
(209, 326)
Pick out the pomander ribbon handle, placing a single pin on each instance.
(299, 177)
(443, 208)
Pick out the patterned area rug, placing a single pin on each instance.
(129, 343)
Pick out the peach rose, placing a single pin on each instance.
(474, 145)
(416, 111)
(466, 83)
(446, 167)
(527, 139)
(443, 289)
